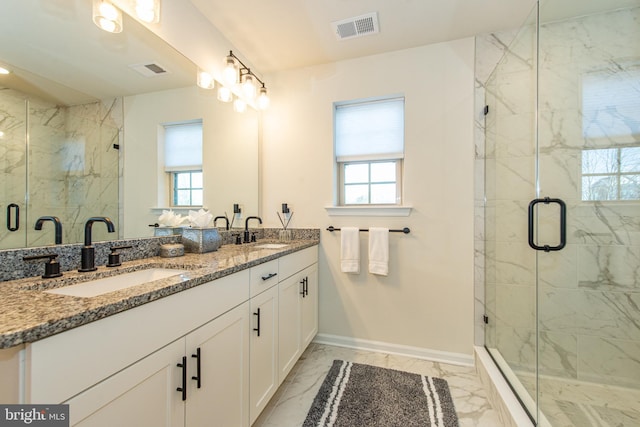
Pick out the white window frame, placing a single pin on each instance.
(171, 172)
(369, 159)
(173, 177)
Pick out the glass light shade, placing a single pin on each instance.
(205, 80)
(249, 86)
(263, 99)
(230, 72)
(239, 105)
(148, 10)
(224, 94)
(4, 70)
(106, 16)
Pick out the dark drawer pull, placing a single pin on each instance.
(198, 376)
(257, 313)
(183, 389)
(269, 276)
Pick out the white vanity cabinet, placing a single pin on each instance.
(115, 360)
(263, 348)
(213, 375)
(211, 355)
(298, 307)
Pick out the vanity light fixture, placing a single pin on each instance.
(230, 72)
(148, 10)
(106, 16)
(236, 71)
(248, 85)
(263, 98)
(205, 79)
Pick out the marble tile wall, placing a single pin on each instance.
(69, 165)
(588, 295)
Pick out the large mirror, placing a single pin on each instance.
(82, 119)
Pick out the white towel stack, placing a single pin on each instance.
(350, 250)
(378, 251)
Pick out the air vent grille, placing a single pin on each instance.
(149, 69)
(357, 26)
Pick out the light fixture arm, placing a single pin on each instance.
(245, 70)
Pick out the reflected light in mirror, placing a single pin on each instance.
(239, 105)
(106, 16)
(205, 80)
(224, 94)
(148, 10)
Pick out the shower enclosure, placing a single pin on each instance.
(562, 213)
(56, 160)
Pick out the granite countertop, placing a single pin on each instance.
(29, 314)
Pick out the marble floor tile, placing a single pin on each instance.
(289, 406)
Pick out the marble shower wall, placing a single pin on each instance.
(589, 293)
(69, 168)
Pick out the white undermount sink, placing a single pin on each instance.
(271, 245)
(97, 287)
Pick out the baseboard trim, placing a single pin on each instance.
(397, 349)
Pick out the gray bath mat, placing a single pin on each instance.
(355, 395)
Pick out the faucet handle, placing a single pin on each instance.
(51, 268)
(114, 256)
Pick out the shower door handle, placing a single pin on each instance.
(563, 224)
(13, 224)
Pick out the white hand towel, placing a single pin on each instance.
(350, 250)
(379, 251)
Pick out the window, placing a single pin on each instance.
(369, 147)
(611, 121)
(183, 162)
(611, 174)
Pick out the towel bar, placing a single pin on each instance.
(404, 230)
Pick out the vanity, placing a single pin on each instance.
(207, 346)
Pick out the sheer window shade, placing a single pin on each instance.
(183, 147)
(370, 130)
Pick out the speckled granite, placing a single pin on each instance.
(12, 266)
(29, 314)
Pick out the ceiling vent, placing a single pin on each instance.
(150, 69)
(357, 26)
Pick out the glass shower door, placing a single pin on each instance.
(589, 156)
(510, 184)
(13, 169)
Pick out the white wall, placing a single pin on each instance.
(427, 300)
(229, 158)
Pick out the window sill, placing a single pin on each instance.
(175, 209)
(368, 210)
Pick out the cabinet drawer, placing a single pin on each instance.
(297, 261)
(263, 277)
(65, 364)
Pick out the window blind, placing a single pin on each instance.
(183, 146)
(369, 130)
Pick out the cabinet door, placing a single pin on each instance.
(310, 305)
(143, 394)
(290, 335)
(263, 349)
(223, 396)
